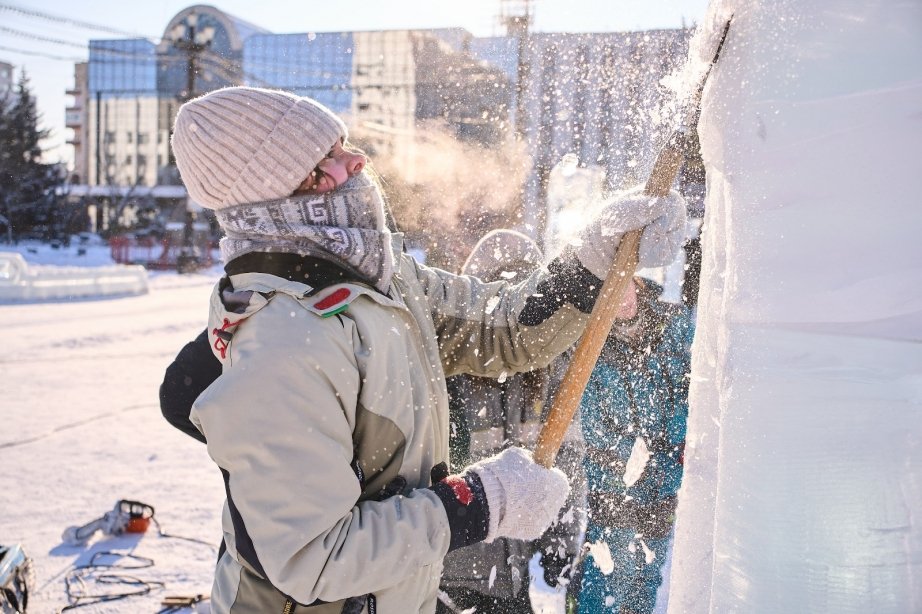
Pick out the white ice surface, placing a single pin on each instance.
(803, 476)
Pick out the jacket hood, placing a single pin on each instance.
(503, 251)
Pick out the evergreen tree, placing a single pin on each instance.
(26, 197)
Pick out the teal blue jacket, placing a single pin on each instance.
(639, 388)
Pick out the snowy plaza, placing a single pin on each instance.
(802, 484)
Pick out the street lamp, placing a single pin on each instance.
(188, 38)
(193, 41)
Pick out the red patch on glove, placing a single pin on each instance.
(459, 486)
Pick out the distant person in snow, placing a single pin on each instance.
(329, 419)
(634, 414)
(489, 415)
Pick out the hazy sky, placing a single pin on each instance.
(21, 35)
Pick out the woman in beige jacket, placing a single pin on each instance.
(329, 421)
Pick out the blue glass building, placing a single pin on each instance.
(388, 80)
(599, 96)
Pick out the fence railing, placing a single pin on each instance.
(162, 254)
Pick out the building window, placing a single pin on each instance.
(130, 136)
(128, 159)
(142, 138)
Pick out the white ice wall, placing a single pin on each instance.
(803, 487)
(21, 282)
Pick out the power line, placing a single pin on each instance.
(43, 55)
(44, 39)
(97, 51)
(72, 22)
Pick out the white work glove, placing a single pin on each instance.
(662, 218)
(524, 498)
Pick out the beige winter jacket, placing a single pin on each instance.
(316, 411)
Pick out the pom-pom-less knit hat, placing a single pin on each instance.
(243, 144)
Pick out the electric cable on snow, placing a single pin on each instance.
(126, 516)
(75, 582)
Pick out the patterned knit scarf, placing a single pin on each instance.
(345, 226)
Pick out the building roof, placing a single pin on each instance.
(238, 30)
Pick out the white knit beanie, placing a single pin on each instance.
(244, 144)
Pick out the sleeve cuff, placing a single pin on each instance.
(465, 502)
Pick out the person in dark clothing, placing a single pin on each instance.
(194, 368)
(634, 414)
(488, 415)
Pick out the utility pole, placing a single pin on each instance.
(193, 42)
(516, 17)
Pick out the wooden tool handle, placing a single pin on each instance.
(603, 313)
(664, 172)
(587, 350)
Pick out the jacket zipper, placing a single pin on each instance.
(289, 606)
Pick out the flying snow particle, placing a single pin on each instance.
(648, 554)
(640, 455)
(567, 517)
(601, 554)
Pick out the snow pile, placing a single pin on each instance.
(22, 282)
(804, 458)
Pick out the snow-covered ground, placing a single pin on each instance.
(80, 428)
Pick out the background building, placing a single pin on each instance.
(386, 80)
(75, 119)
(6, 77)
(596, 95)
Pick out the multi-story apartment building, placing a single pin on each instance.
(598, 96)
(75, 119)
